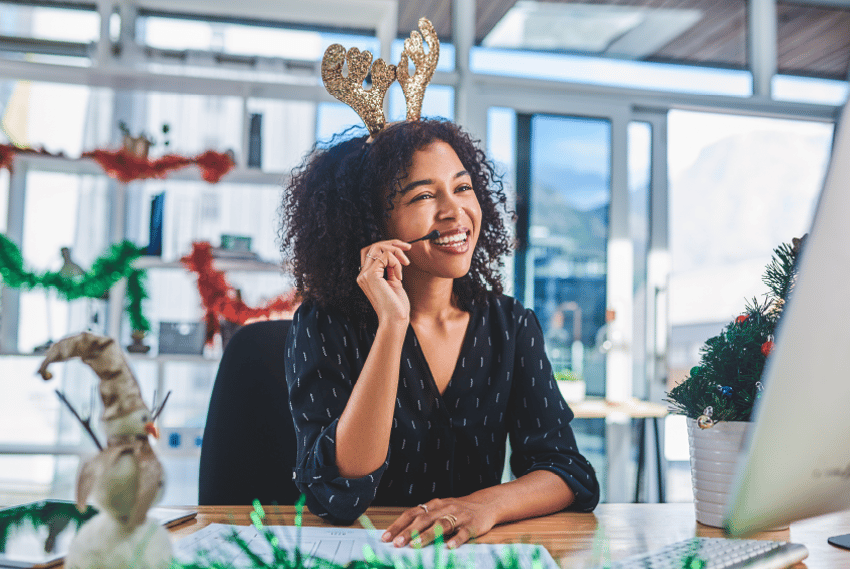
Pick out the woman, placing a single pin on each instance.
(407, 367)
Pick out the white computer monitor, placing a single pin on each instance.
(797, 464)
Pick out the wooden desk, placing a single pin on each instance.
(598, 408)
(624, 529)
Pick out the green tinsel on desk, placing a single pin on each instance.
(53, 516)
(284, 559)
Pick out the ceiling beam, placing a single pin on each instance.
(825, 3)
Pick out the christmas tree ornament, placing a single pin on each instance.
(125, 478)
(732, 362)
(705, 421)
(722, 389)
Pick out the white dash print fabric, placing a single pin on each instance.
(447, 445)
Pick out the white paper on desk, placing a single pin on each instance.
(340, 546)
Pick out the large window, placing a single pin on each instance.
(739, 186)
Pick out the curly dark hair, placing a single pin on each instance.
(338, 201)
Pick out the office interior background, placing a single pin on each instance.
(655, 154)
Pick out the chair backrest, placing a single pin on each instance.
(248, 449)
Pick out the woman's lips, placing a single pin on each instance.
(455, 243)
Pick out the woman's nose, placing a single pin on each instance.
(450, 206)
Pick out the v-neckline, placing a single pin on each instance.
(464, 347)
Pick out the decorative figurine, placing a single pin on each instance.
(125, 477)
(69, 269)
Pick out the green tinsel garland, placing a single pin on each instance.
(53, 515)
(136, 293)
(107, 270)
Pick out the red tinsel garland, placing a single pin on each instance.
(8, 152)
(220, 299)
(125, 166)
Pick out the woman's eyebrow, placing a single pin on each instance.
(415, 184)
(428, 181)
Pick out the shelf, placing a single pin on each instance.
(172, 358)
(156, 358)
(42, 449)
(191, 173)
(229, 265)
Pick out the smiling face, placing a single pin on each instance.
(437, 194)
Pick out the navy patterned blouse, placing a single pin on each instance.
(441, 446)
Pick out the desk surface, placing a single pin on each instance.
(626, 529)
(598, 408)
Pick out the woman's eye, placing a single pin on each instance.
(464, 188)
(421, 197)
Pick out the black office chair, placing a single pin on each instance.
(248, 449)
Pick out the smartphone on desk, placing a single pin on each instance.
(842, 541)
(37, 535)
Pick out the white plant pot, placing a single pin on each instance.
(714, 458)
(573, 390)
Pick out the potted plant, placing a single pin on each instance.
(571, 385)
(140, 145)
(719, 394)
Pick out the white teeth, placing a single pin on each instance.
(456, 238)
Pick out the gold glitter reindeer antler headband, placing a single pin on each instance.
(370, 104)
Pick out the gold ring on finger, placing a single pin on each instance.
(452, 520)
(377, 259)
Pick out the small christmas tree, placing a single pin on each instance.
(727, 381)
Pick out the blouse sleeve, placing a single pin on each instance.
(319, 357)
(539, 419)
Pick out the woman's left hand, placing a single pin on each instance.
(459, 519)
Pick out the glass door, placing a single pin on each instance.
(563, 202)
(574, 264)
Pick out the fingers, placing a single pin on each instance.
(404, 522)
(444, 526)
(421, 525)
(463, 534)
(386, 256)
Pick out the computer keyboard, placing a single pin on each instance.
(717, 553)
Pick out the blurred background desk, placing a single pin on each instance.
(598, 408)
(625, 529)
